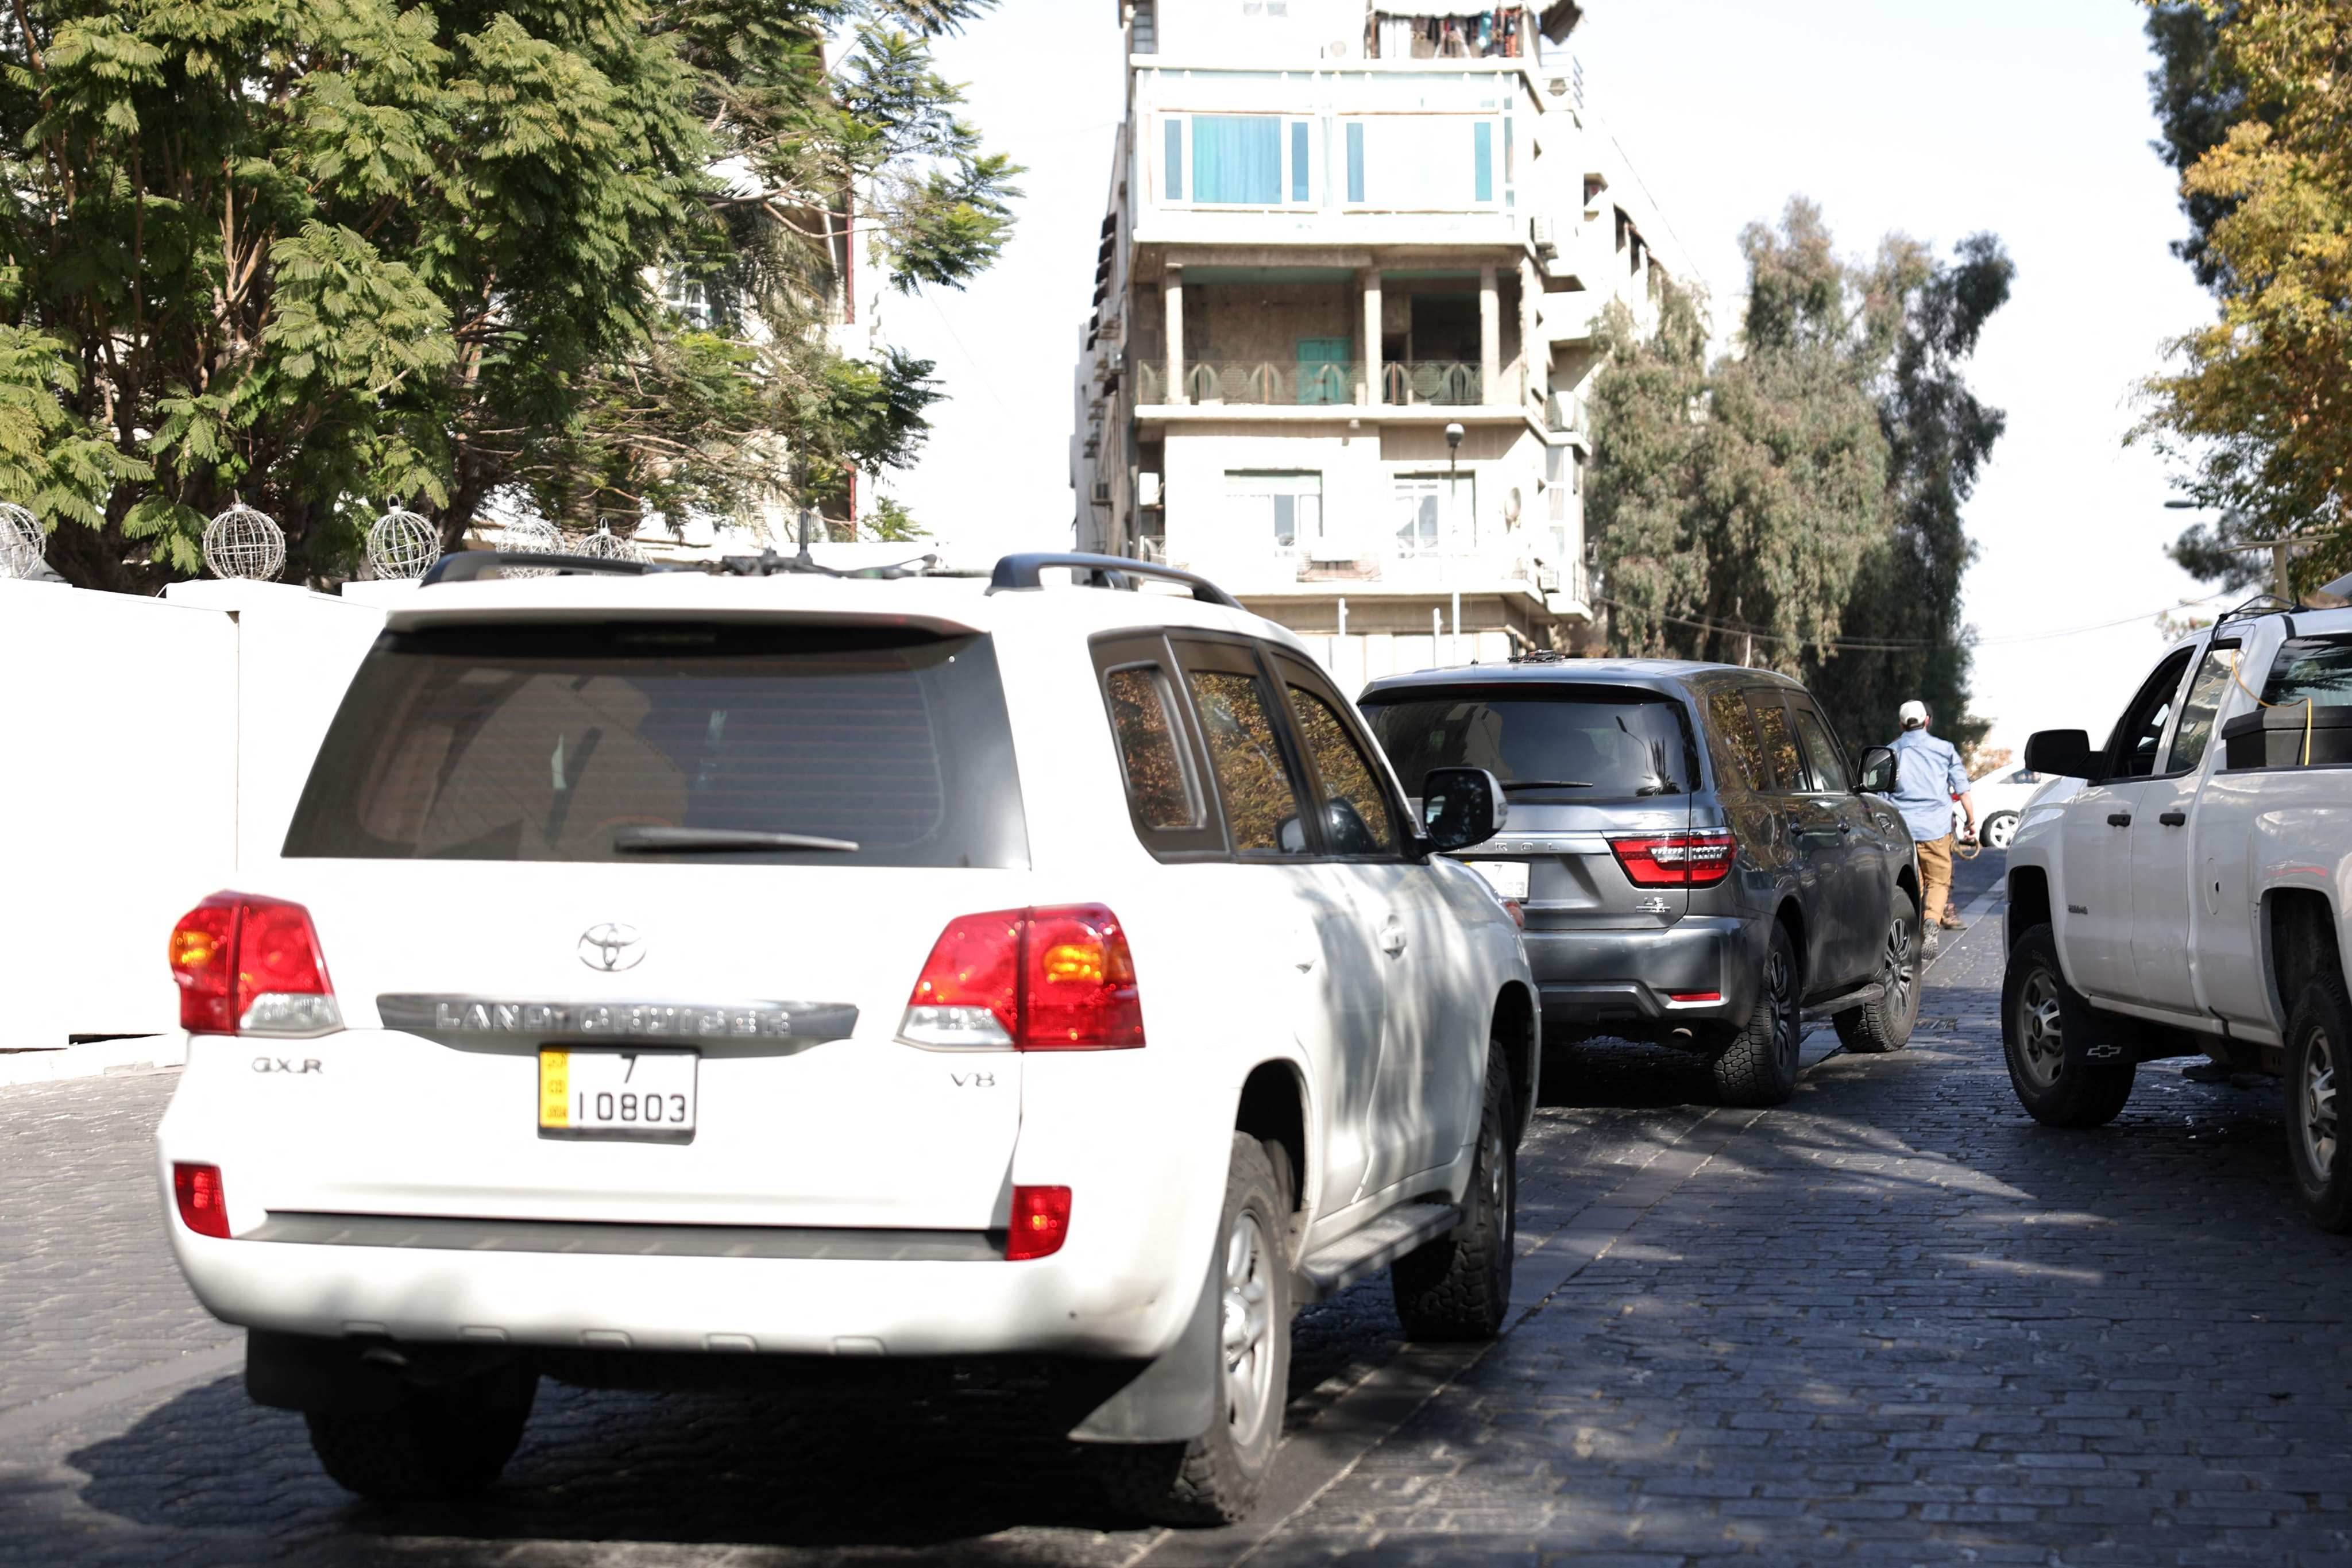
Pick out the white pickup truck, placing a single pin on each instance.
(2196, 896)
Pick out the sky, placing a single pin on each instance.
(2027, 118)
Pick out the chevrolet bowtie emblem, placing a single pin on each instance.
(611, 947)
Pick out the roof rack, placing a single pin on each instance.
(1017, 572)
(467, 565)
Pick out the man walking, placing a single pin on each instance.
(1927, 778)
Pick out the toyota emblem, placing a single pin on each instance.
(611, 947)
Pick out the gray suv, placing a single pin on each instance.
(1693, 858)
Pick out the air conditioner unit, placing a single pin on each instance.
(1539, 232)
(1114, 364)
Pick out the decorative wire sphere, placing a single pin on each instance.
(20, 540)
(605, 545)
(244, 542)
(530, 536)
(402, 545)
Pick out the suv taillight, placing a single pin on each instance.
(1056, 979)
(251, 965)
(1694, 859)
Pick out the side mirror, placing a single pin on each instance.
(1876, 773)
(2066, 753)
(1461, 806)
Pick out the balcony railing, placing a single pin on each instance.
(1307, 384)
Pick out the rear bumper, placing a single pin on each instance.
(1597, 978)
(829, 1306)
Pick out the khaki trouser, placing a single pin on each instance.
(1936, 870)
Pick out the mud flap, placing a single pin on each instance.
(2094, 1039)
(1174, 1397)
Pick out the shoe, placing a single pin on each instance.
(1952, 925)
(1928, 948)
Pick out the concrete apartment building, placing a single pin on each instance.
(1332, 233)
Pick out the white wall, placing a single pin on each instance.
(129, 725)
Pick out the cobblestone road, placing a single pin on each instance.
(1891, 1321)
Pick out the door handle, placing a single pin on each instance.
(1393, 938)
(2173, 818)
(1845, 827)
(2119, 820)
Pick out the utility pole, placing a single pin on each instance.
(2282, 550)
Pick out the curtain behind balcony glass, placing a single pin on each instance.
(1237, 158)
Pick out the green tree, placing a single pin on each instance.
(2258, 410)
(1796, 504)
(315, 252)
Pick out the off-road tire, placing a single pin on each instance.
(1885, 1024)
(2320, 1028)
(1217, 1478)
(2040, 1013)
(1457, 1287)
(1756, 1063)
(439, 1442)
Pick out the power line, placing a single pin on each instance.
(1891, 645)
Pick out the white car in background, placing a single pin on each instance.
(671, 980)
(2003, 796)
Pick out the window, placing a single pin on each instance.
(1587, 742)
(1827, 765)
(2195, 730)
(2314, 669)
(1356, 817)
(1420, 163)
(1286, 508)
(493, 744)
(1298, 163)
(1173, 188)
(1159, 787)
(1237, 159)
(1262, 799)
(2131, 750)
(1739, 755)
(1780, 741)
(1436, 515)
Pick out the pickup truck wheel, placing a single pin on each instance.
(439, 1442)
(1216, 1478)
(1885, 1024)
(2317, 1035)
(2000, 828)
(2038, 1010)
(1458, 1287)
(1757, 1065)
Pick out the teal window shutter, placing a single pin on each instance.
(1298, 161)
(1237, 158)
(1175, 190)
(1355, 161)
(1482, 138)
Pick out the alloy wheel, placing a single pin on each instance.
(2316, 1125)
(2041, 1039)
(2000, 831)
(1248, 1328)
(1780, 988)
(1898, 971)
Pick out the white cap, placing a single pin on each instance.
(1914, 713)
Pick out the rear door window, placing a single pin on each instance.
(1258, 783)
(2195, 730)
(2314, 669)
(1780, 752)
(1586, 742)
(555, 742)
(1738, 754)
(1159, 761)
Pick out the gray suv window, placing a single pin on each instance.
(549, 742)
(1596, 743)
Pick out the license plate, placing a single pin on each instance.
(1508, 877)
(617, 1093)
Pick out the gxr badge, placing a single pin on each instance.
(611, 947)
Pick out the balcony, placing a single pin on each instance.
(1435, 384)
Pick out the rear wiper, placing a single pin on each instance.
(718, 840)
(1510, 785)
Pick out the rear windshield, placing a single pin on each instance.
(1581, 742)
(553, 742)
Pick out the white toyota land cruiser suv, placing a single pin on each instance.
(2196, 897)
(666, 967)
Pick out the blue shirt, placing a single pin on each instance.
(1927, 775)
